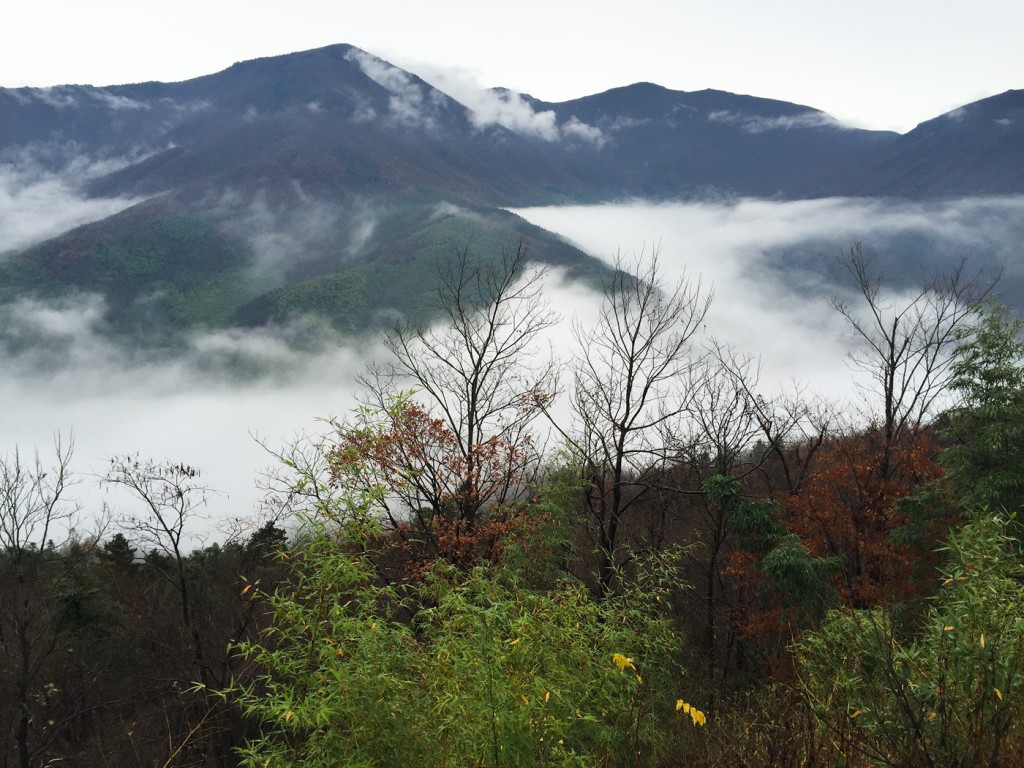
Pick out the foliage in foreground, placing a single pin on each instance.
(460, 668)
(947, 693)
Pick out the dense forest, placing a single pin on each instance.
(631, 557)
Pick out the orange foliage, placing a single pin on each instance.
(443, 499)
(847, 508)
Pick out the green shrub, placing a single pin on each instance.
(947, 695)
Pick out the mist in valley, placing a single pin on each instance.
(772, 267)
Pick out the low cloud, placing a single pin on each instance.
(410, 104)
(759, 124)
(37, 202)
(446, 209)
(285, 237)
(580, 130)
(513, 111)
(510, 110)
(500, 106)
(199, 405)
(58, 96)
(768, 306)
(115, 102)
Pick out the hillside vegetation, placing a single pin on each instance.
(694, 572)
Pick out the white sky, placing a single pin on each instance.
(872, 63)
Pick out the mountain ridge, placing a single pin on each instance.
(232, 164)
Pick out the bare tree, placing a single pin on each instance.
(790, 426)
(906, 346)
(171, 496)
(480, 381)
(34, 509)
(629, 392)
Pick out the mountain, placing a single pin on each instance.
(333, 182)
(977, 149)
(666, 144)
(316, 118)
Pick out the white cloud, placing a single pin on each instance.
(62, 373)
(282, 237)
(409, 104)
(580, 130)
(499, 106)
(58, 96)
(512, 111)
(758, 124)
(36, 203)
(192, 408)
(783, 315)
(445, 209)
(117, 102)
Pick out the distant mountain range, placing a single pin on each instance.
(331, 181)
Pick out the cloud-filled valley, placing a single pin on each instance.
(188, 263)
(202, 403)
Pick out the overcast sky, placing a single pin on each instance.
(872, 63)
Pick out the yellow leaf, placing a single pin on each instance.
(547, 697)
(999, 694)
(947, 628)
(513, 642)
(373, 627)
(247, 588)
(981, 642)
(679, 704)
(524, 698)
(288, 715)
(932, 716)
(341, 651)
(622, 662)
(856, 714)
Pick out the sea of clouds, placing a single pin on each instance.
(771, 266)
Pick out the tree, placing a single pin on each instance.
(985, 462)
(947, 694)
(410, 460)
(183, 610)
(478, 386)
(171, 495)
(627, 395)
(906, 347)
(34, 510)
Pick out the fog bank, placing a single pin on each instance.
(771, 265)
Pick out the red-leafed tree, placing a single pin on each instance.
(446, 438)
(421, 482)
(849, 508)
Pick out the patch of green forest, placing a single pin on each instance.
(163, 274)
